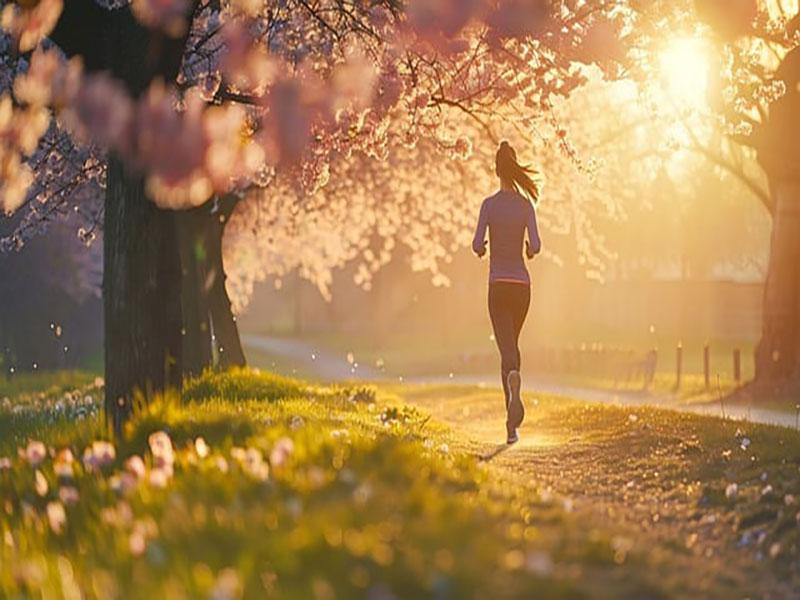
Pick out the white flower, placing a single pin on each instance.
(41, 483)
(201, 447)
(56, 516)
(731, 491)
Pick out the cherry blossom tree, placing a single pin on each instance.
(326, 131)
(187, 101)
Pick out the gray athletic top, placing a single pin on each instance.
(507, 214)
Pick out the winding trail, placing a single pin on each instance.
(328, 365)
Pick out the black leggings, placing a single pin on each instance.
(508, 307)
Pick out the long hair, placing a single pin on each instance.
(524, 179)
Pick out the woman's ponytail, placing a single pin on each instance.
(523, 178)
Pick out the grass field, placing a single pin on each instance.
(261, 486)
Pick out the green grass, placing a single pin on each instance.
(306, 491)
(369, 502)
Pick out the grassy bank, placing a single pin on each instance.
(261, 486)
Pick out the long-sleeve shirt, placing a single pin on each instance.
(507, 215)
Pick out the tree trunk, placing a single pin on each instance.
(211, 337)
(141, 271)
(192, 233)
(777, 356)
(141, 290)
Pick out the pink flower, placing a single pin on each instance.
(137, 543)
(159, 478)
(30, 25)
(68, 495)
(431, 18)
(35, 453)
(281, 451)
(287, 126)
(5, 463)
(98, 455)
(35, 86)
(135, 466)
(63, 464)
(166, 15)
(161, 447)
(102, 112)
(518, 18)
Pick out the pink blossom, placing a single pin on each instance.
(35, 86)
(159, 478)
(102, 113)
(5, 463)
(283, 448)
(167, 15)
(31, 24)
(135, 466)
(519, 18)
(172, 147)
(430, 18)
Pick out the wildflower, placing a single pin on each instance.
(159, 477)
(731, 491)
(745, 443)
(35, 452)
(135, 466)
(221, 464)
(98, 455)
(227, 586)
(137, 543)
(161, 447)
(56, 516)
(68, 495)
(63, 464)
(254, 464)
(201, 447)
(5, 463)
(281, 451)
(41, 483)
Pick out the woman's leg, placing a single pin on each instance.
(501, 314)
(521, 304)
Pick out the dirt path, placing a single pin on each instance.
(642, 481)
(327, 365)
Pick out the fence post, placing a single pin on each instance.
(678, 365)
(737, 365)
(707, 365)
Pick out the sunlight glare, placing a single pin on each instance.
(685, 71)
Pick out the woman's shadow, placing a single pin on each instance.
(494, 453)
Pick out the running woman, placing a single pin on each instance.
(507, 214)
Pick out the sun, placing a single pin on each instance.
(684, 68)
